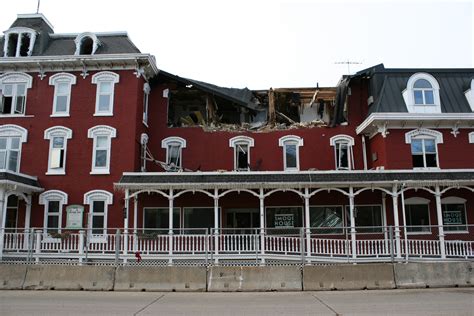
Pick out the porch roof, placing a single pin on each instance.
(26, 182)
(281, 179)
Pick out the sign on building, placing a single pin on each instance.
(452, 217)
(74, 216)
(284, 220)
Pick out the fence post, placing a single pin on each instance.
(31, 244)
(206, 247)
(255, 241)
(81, 246)
(125, 245)
(302, 240)
(38, 245)
(216, 245)
(390, 236)
(117, 246)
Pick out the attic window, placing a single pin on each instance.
(422, 94)
(19, 42)
(86, 44)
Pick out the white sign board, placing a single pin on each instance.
(74, 216)
(284, 220)
(452, 218)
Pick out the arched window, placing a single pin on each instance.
(86, 44)
(105, 81)
(174, 152)
(241, 145)
(101, 148)
(14, 87)
(98, 201)
(11, 138)
(422, 94)
(53, 201)
(57, 136)
(62, 83)
(291, 147)
(19, 42)
(424, 147)
(343, 154)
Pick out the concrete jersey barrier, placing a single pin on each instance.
(12, 276)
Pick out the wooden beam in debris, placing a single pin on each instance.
(271, 106)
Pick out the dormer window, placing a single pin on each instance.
(86, 44)
(470, 95)
(422, 94)
(19, 42)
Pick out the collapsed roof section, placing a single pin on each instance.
(197, 103)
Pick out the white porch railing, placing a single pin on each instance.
(374, 244)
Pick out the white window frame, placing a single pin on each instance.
(170, 141)
(455, 200)
(423, 133)
(419, 201)
(89, 199)
(10, 131)
(19, 31)
(349, 142)
(50, 134)
(146, 97)
(408, 95)
(44, 199)
(471, 137)
(291, 140)
(94, 132)
(470, 96)
(81, 37)
(234, 142)
(15, 78)
(98, 79)
(55, 80)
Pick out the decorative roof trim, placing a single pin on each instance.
(420, 132)
(100, 195)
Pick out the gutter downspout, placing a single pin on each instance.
(364, 151)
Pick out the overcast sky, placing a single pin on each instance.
(261, 44)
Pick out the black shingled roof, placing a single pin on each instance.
(19, 179)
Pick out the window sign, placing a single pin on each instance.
(453, 217)
(74, 216)
(284, 220)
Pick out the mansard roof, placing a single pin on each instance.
(387, 84)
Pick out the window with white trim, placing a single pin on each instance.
(241, 146)
(417, 214)
(11, 139)
(105, 81)
(62, 83)
(53, 201)
(86, 44)
(422, 94)
(14, 87)
(98, 201)
(291, 157)
(471, 137)
(453, 210)
(57, 136)
(470, 96)
(146, 95)
(174, 152)
(343, 155)
(424, 147)
(19, 42)
(101, 148)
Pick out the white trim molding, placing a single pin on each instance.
(173, 139)
(416, 201)
(99, 79)
(94, 133)
(291, 140)
(19, 30)
(470, 95)
(471, 137)
(55, 195)
(408, 94)
(453, 200)
(101, 195)
(81, 37)
(11, 130)
(341, 137)
(241, 139)
(423, 132)
(16, 77)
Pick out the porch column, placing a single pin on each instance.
(352, 219)
(135, 223)
(307, 222)
(216, 224)
(170, 226)
(404, 218)
(439, 214)
(125, 223)
(398, 246)
(2, 220)
(262, 225)
(27, 222)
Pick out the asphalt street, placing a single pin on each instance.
(455, 301)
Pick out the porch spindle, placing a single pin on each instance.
(440, 222)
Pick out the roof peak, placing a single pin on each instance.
(35, 16)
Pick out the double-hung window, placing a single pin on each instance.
(14, 88)
(291, 157)
(343, 154)
(241, 146)
(53, 201)
(57, 136)
(174, 149)
(62, 83)
(98, 201)
(11, 139)
(424, 150)
(422, 94)
(105, 81)
(101, 148)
